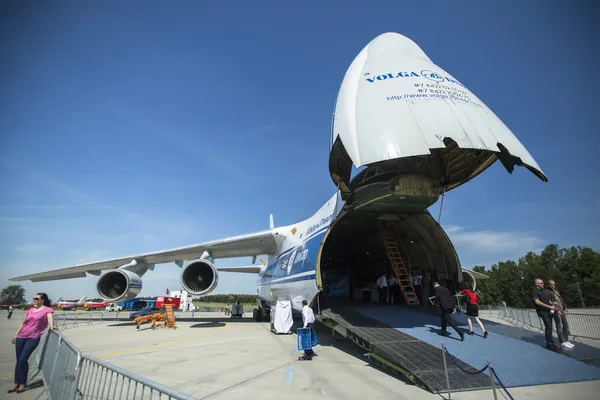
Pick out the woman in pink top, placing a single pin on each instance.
(28, 337)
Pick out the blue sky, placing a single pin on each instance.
(127, 128)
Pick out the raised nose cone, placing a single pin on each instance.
(400, 114)
(394, 44)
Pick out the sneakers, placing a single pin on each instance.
(567, 345)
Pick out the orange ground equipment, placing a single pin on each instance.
(154, 318)
(168, 317)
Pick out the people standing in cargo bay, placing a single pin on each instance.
(382, 286)
(444, 299)
(393, 289)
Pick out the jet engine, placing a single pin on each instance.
(199, 277)
(119, 285)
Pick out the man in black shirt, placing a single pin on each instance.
(543, 305)
(444, 299)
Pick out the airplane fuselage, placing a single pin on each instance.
(292, 274)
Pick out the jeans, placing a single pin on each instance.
(560, 329)
(309, 353)
(547, 319)
(562, 320)
(24, 348)
(383, 294)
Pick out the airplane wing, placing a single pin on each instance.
(478, 275)
(252, 244)
(247, 270)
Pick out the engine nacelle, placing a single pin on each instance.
(199, 277)
(119, 285)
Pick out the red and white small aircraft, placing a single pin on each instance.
(70, 305)
(93, 305)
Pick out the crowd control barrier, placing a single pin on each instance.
(68, 374)
(581, 325)
(488, 366)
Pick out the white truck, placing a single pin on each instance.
(114, 307)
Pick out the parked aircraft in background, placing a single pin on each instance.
(29, 304)
(94, 305)
(70, 305)
(418, 132)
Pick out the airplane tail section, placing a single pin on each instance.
(81, 300)
(58, 300)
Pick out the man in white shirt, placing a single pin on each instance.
(382, 285)
(308, 318)
(393, 289)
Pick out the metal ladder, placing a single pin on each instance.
(398, 265)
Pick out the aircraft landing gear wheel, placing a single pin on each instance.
(257, 314)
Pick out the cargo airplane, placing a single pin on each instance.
(415, 131)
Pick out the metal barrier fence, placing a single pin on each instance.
(68, 374)
(488, 366)
(580, 324)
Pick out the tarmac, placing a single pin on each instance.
(218, 357)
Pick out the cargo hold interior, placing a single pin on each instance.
(354, 256)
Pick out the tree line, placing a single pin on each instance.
(576, 271)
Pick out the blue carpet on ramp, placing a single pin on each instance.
(517, 362)
(581, 352)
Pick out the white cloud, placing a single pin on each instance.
(492, 241)
(59, 207)
(32, 247)
(485, 247)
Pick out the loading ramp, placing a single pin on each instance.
(402, 355)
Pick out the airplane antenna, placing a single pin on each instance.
(271, 223)
(441, 205)
(331, 133)
(444, 191)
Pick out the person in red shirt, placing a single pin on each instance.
(472, 309)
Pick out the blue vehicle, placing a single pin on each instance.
(136, 304)
(146, 311)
